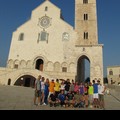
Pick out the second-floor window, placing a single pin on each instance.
(64, 69)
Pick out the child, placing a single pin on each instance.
(82, 102)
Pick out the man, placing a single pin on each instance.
(61, 98)
(53, 100)
(70, 99)
(51, 87)
(95, 94)
(101, 91)
(57, 87)
(37, 90)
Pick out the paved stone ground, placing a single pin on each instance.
(21, 98)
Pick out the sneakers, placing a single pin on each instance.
(91, 106)
(43, 104)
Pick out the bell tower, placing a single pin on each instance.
(86, 22)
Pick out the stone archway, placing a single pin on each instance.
(26, 81)
(39, 64)
(81, 68)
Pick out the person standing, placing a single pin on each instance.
(62, 86)
(51, 87)
(37, 90)
(46, 91)
(86, 94)
(101, 91)
(81, 89)
(90, 92)
(57, 87)
(72, 86)
(42, 90)
(76, 87)
(95, 94)
(67, 86)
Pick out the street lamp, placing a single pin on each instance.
(21, 81)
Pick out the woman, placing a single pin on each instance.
(46, 91)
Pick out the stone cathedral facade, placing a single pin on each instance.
(48, 44)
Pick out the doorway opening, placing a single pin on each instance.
(39, 64)
(9, 81)
(26, 81)
(83, 69)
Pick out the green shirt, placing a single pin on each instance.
(90, 91)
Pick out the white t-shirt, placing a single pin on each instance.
(42, 85)
(101, 89)
(62, 87)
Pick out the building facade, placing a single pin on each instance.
(48, 44)
(113, 74)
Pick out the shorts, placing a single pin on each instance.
(42, 91)
(37, 93)
(91, 98)
(101, 97)
(95, 95)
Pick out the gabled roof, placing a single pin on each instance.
(50, 3)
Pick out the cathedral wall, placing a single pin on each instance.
(48, 37)
(25, 52)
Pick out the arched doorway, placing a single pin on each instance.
(26, 81)
(83, 69)
(39, 64)
(9, 81)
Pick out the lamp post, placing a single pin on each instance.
(21, 81)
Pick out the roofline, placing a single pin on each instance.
(49, 2)
(113, 66)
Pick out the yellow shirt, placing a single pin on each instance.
(51, 87)
(57, 86)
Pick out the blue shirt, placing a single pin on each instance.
(95, 86)
(46, 90)
(61, 97)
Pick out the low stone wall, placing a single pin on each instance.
(15, 74)
(114, 91)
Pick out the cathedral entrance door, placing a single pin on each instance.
(83, 69)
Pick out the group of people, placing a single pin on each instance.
(69, 94)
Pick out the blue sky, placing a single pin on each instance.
(14, 13)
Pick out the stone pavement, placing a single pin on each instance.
(21, 98)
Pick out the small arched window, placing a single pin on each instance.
(21, 37)
(110, 72)
(46, 8)
(86, 35)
